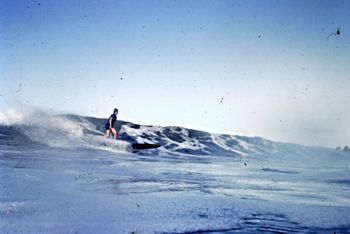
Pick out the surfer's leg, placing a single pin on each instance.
(114, 133)
(108, 133)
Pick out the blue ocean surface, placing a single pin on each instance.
(59, 175)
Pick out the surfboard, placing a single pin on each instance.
(141, 146)
(122, 145)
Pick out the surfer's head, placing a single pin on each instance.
(115, 111)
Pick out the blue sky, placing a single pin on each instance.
(275, 69)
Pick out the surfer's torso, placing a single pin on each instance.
(112, 118)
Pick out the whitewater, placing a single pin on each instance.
(59, 175)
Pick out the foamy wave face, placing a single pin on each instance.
(11, 116)
(52, 130)
(63, 131)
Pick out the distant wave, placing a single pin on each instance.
(278, 171)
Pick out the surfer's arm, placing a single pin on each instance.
(110, 122)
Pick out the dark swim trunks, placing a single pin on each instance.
(107, 126)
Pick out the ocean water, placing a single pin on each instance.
(58, 175)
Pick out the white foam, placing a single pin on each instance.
(10, 116)
(100, 142)
(217, 139)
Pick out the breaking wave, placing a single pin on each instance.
(78, 131)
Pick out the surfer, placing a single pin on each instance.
(110, 124)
